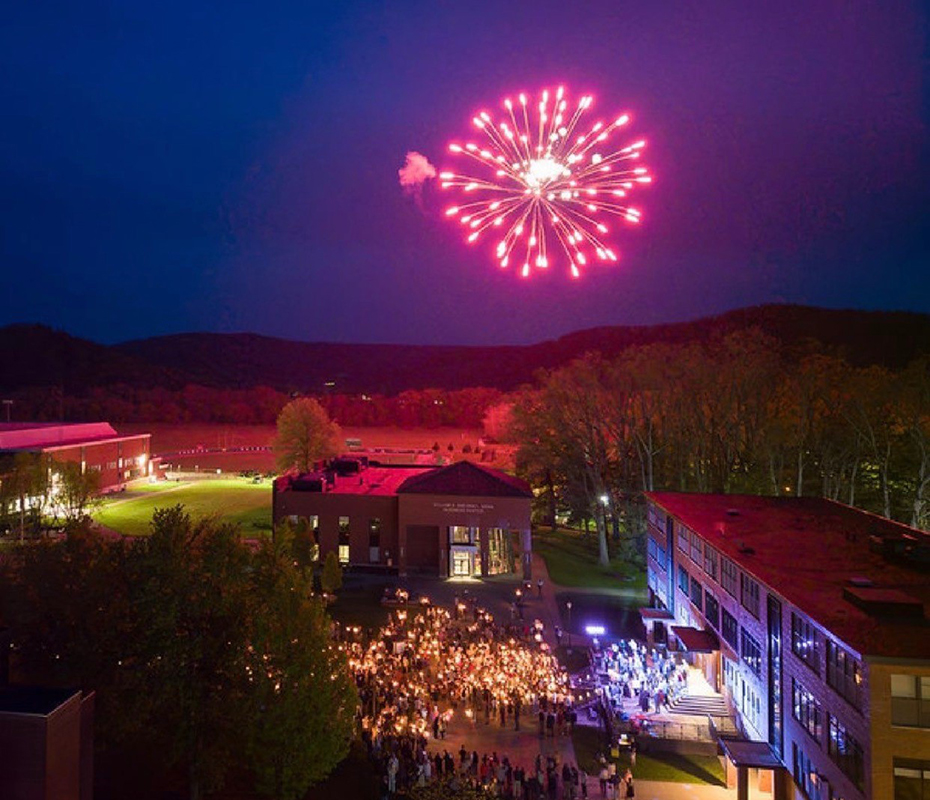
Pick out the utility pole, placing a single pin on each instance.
(9, 405)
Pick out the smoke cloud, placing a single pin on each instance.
(415, 172)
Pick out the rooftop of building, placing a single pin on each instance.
(36, 436)
(858, 575)
(461, 479)
(35, 700)
(466, 478)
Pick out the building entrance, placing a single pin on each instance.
(465, 563)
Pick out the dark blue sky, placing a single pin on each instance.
(173, 166)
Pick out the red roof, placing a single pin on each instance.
(45, 436)
(466, 479)
(810, 551)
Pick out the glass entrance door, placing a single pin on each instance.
(461, 563)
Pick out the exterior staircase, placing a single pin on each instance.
(701, 706)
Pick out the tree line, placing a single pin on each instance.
(732, 414)
(427, 408)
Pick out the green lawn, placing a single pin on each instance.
(571, 558)
(233, 500)
(653, 766)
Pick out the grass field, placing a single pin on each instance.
(571, 558)
(233, 500)
(653, 766)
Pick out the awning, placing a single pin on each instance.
(655, 614)
(695, 640)
(744, 753)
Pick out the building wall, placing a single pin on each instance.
(40, 757)
(115, 461)
(507, 513)
(892, 741)
(403, 515)
(739, 678)
(330, 506)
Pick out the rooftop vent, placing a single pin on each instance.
(745, 549)
(733, 512)
(861, 581)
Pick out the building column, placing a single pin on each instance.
(742, 783)
(483, 550)
(782, 786)
(526, 545)
(443, 551)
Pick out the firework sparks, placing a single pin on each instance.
(546, 181)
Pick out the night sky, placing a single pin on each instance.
(169, 167)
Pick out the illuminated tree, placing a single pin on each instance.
(305, 435)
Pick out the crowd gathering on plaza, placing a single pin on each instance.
(630, 671)
(430, 666)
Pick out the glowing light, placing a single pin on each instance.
(538, 172)
(594, 630)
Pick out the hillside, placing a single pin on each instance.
(33, 355)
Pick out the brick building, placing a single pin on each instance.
(95, 446)
(811, 618)
(459, 520)
(46, 744)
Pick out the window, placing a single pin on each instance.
(749, 594)
(804, 642)
(710, 561)
(697, 549)
(751, 652)
(728, 576)
(805, 776)
(343, 540)
(374, 532)
(843, 673)
(682, 537)
(911, 779)
(845, 752)
(697, 594)
(374, 540)
(652, 548)
(683, 582)
(910, 701)
(729, 629)
(459, 534)
(711, 609)
(806, 710)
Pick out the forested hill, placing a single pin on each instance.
(33, 355)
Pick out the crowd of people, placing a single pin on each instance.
(423, 669)
(630, 671)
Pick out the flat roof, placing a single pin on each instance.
(810, 551)
(747, 753)
(695, 640)
(373, 481)
(36, 700)
(462, 478)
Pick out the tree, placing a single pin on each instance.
(77, 490)
(203, 653)
(305, 435)
(331, 577)
(303, 693)
(25, 488)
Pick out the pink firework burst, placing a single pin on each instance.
(546, 180)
